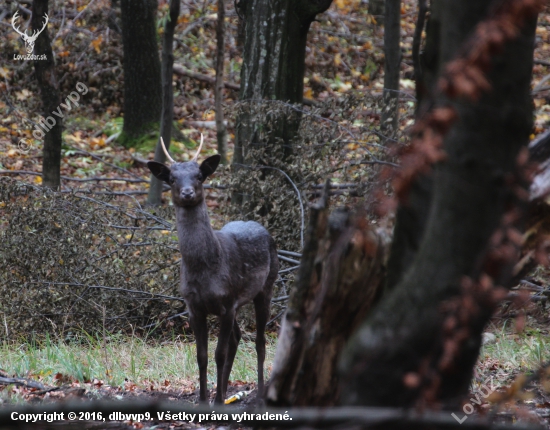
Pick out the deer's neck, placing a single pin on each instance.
(198, 244)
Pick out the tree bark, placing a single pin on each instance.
(389, 121)
(273, 63)
(155, 189)
(377, 9)
(340, 274)
(221, 130)
(142, 72)
(412, 348)
(412, 214)
(49, 90)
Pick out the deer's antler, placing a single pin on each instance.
(166, 151)
(198, 150)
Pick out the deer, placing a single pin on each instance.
(221, 270)
(29, 40)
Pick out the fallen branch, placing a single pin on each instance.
(22, 382)
(180, 70)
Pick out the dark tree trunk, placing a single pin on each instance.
(340, 276)
(49, 89)
(155, 190)
(273, 63)
(389, 120)
(221, 131)
(376, 8)
(412, 348)
(142, 74)
(412, 214)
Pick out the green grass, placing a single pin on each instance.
(514, 353)
(118, 360)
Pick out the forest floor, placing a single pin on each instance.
(344, 58)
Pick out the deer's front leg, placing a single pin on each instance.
(198, 323)
(226, 332)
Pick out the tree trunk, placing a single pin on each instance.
(49, 90)
(389, 121)
(273, 69)
(376, 8)
(412, 214)
(340, 274)
(420, 344)
(221, 130)
(155, 189)
(142, 74)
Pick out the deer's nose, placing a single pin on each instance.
(187, 193)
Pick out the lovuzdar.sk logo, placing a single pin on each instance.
(29, 40)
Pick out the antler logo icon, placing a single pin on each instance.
(29, 40)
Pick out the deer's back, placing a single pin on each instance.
(249, 253)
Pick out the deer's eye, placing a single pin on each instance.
(199, 177)
(172, 180)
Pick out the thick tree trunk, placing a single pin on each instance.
(389, 121)
(273, 68)
(340, 275)
(414, 348)
(142, 74)
(49, 90)
(221, 130)
(155, 189)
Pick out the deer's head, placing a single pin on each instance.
(185, 179)
(29, 40)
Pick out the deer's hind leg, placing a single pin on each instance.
(261, 305)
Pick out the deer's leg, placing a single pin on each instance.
(224, 339)
(261, 305)
(231, 351)
(198, 323)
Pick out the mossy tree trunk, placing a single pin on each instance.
(421, 343)
(49, 90)
(142, 71)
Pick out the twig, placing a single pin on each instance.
(288, 260)
(103, 287)
(290, 253)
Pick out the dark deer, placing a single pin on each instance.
(220, 270)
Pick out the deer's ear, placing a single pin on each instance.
(210, 165)
(159, 170)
